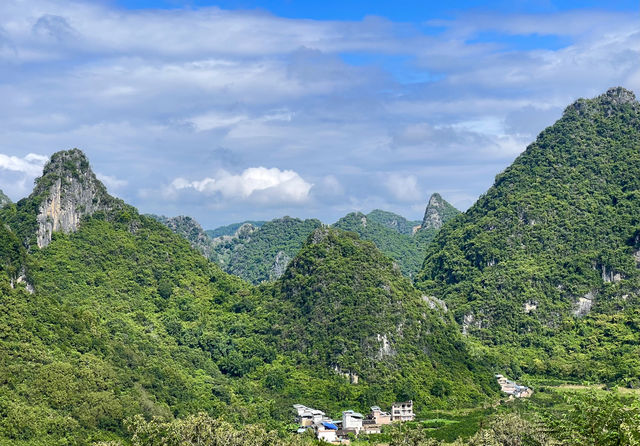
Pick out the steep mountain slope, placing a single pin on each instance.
(232, 228)
(344, 303)
(66, 192)
(438, 212)
(262, 254)
(402, 240)
(555, 239)
(190, 229)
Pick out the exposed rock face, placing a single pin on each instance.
(437, 213)
(279, 265)
(68, 191)
(385, 347)
(245, 230)
(530, 306)
(435, 303)
(583, 305)
(469, 322)
(4, 199)
(610, 275)
(608, 102)
(191, 230)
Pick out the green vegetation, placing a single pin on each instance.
(190, 229)
(127, 319)
(542, 267)
(575, 419)
(232, 228)
(260, 251)
(119, 332)
(403, 241)
(392, 221)
(262, 254)
(344, 304)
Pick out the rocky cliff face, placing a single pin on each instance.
(190, 229)
(437, 213)
(67, 191)
(4, 199)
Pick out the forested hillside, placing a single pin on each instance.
(345, 304)
(117, 316)
(232, 228)
(401, 240)
(262, 254)
(260, 251)
(547, 259)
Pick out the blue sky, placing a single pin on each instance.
(236, 110)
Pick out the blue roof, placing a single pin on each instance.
(329, 425)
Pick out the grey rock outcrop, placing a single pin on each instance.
(67, 192)
(191, 230)
(437, 213)
(583, 305)
(605, 103)
(279, 265)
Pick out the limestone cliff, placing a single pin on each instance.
(437, 213)
(67, 191)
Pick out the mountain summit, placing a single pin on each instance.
(67, 191)
(437, 213)
(553, 240)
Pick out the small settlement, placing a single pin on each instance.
(512, 389)
(352, 423)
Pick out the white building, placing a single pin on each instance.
(402, 411)
(352, 420)
(308, 416)
(326, 431)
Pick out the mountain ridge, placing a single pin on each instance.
(552, 243)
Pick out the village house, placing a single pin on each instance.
(352, 420)
(512, 388)
(402, 411)
(352, 423)
(326, 431)
(306, 416)
(379, 417)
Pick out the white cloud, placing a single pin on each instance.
(403, 187)
(156, 94)
(31, 164)
(255, 184)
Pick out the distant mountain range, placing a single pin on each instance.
(260, 251)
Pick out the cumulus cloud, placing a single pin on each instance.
(371, 111)
(30, 165)
(255, 184)
(17, 173)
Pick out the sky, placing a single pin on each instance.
(237, 110)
